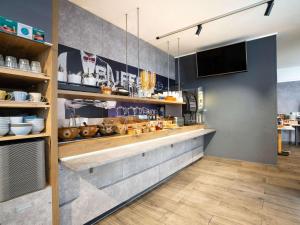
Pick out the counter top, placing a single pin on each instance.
(119, 148)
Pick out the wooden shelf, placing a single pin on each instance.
(19, 75)
(21, 137)
(95, 96)
(21, 47)
(13, 104)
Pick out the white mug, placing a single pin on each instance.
(91, 81)
(81, 121)
(74, 78)
(61, 76)
(36, 97)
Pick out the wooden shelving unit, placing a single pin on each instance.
(45, 83)
(95, 96)
(22, 137)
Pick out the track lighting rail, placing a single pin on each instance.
(267, 13)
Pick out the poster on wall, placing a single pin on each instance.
(79, 70)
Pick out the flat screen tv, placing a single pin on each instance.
(223, 60)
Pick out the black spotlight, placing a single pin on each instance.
(199, 28)
(269, 8)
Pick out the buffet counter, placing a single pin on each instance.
(83, 146)
(96, 152)
(115, 170)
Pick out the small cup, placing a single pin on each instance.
(11, 62)
(5, 95)
(19, 96)
(37, 97)
(36, 67)
(1, 60)
(24, 64)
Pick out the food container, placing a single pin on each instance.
(145, 129)
(106, 90)
(107, 129)
(170, 98)
(68, 133)
(131, 131)
(138, 131)
(120, 128)
(179, 121)
(88, 131)
(152, 129)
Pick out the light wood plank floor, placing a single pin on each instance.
(216, 191)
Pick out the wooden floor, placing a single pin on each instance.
(216, 191)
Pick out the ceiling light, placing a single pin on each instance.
(199, 28)
(269, 8)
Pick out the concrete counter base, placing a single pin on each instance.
(100, 184)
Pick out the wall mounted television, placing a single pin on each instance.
(223, 60)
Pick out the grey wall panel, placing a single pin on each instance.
(36, 13)
(242, 107)
(113, 42)
(81, 29)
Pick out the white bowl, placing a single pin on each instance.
(38, 125)
(16, 119)
(37, 129)
(21, 128)
(4, 120)
(3, 131)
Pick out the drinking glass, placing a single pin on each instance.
(24, 64)
(11, 62)
(1, 60)
(152, 82)
(36, 67)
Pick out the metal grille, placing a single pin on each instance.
(22, 168)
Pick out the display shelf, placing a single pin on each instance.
(20, 75)
(22, 137)
(21, 47)
(96, 96)
(14, 104)
(78, 147)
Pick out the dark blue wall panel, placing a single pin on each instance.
(36, 13)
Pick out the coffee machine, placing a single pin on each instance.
(200, 105)
(193, 109)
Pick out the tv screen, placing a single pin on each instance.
(224, 60)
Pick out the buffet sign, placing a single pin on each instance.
(79, 70)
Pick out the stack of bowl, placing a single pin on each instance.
(4, 126)
(38, 124)
(15, 120)
(20, 128)
(17, 127)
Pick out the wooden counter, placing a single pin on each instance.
(97, 144)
